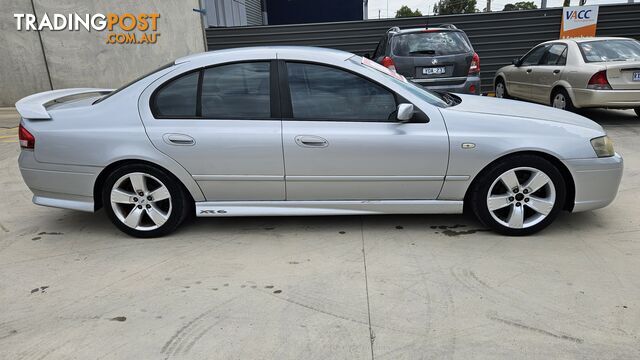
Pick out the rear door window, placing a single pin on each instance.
(178, 97)
(430, 43)
(236, 91)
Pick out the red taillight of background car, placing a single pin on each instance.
(27, 141)
(599, 81)
(388, 63)
(475, 64)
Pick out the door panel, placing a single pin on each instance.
(521, 80)
(365, 160)
(517, 82)
(225, 135)
(342, 141)
(231, 159)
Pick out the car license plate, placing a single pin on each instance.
(636, 76)
(433, 70)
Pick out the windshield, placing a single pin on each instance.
(430, 43)
(610, 50)
(133, 82)
(433, 98)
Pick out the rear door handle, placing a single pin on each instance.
(311, 141)
(179, 139)
(529, 70)
(556, 71)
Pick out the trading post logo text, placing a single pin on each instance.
(120, 27)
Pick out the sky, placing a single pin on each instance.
(426, 6)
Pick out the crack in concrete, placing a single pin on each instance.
(372, 336)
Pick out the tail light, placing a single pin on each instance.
(475, 64)
(27, 141)
(599, 81)
(388, 63)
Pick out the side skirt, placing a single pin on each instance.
(312, 208)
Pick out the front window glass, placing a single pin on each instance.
(325, 93)
(534, 56)
(610, 50)
(430, 43)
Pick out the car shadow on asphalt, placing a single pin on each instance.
(606, 117)
(86, 225)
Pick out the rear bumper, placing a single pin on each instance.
(461, 86)
(621, 99)
(596, 181)
(55, 185)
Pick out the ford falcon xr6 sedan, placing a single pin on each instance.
(306, 131)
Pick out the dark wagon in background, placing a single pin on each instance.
(440, 58)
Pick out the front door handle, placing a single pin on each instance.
(556, 71)
(311, 141)
(179, 139)
(529, 70)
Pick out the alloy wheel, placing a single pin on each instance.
(141, 201)
(521, 197)
(559, 101)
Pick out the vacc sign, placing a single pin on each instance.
(579, 21)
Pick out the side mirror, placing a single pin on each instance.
(516, 62)
(405, 112)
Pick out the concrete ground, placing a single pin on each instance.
(384, 287)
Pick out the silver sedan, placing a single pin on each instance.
(305, 131)
(567, 74)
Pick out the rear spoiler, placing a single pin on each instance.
(35, 106)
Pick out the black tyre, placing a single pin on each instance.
(144, 201)
(519, 195)
(560, 99)
(501, 89)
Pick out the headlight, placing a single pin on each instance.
(603, 146)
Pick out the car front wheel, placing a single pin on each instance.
(501, 89)
(144, 201)
(520, 195)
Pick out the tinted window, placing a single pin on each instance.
(534, 56)
(236, 91)
(430, 43)
(325, 93)
(178, 97)
(610, 50)
(555, 55)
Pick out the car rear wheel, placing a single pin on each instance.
(144, 201)
(560, 99)
(501, 89)
(520, 195)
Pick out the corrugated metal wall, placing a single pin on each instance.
(254, 12)
(498, 37)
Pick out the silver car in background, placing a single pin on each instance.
(306, 131)
(576, 73)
